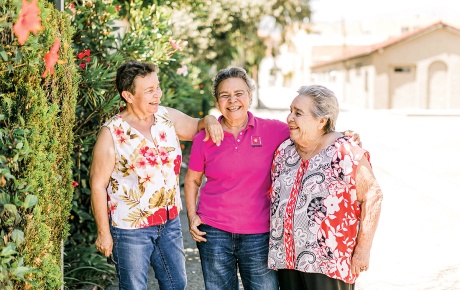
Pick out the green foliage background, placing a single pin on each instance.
(37, 116)
(48, 126)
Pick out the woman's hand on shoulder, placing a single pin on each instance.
(354, 136)
(213, 129)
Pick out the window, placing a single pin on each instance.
(402, 69)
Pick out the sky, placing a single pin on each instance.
(351, 10)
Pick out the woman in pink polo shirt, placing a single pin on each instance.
(231, 221)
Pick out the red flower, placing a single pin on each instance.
(87, 52)
(81, 55)
(158, 218)
(74, 183)
(28, 20)
(177, 163)
(118, 7)
(51, 57)
(82, 65)
(88, 59)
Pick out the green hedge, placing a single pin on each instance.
(36, 120)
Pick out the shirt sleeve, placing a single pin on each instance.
(197, 159)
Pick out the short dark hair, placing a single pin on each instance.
(232, 72)
(127, 73)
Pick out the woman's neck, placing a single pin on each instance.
(235, 125)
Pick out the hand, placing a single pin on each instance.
(196, 234)
(104, 244)
(354, 136)
(213, 129)
(359, 261)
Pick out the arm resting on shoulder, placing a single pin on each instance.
(101, 169)
(370, 195)
(187, 127)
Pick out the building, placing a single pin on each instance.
(417, 70)
(408, 62)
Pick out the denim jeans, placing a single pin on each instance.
(224, 253)
(160, 246)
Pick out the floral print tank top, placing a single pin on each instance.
(144, 186)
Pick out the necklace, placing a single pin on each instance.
(309, 154)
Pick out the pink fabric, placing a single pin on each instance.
(235, 197)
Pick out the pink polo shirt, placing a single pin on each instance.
(235, 196)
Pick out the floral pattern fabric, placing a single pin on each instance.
(144, 186)
(314, 210)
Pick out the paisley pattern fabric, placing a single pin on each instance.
(144, 186)
(314, 211)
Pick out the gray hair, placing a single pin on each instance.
(325, 104)
(232, 72)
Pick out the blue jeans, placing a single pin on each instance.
(160, 246)
(224, 253)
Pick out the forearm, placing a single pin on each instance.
(100, 211)
(190, 200)
(370, 214)
(191, 189)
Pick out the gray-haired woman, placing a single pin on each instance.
(325, 200)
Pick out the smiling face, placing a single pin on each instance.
(146, 96)
(304, 127)
(233, 100)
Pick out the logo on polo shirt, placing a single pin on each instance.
(256, 141)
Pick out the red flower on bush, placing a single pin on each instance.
(28, 20)
(74, 183)
(86, 55)
(51, 57)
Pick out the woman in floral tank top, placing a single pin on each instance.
(135, 190)
(325, 201)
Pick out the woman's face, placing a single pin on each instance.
(233, 99)
(303, 126)
(147, 94)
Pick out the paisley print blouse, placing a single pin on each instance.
(144, 186)
(314, 211)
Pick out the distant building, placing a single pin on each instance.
(381, 65)
(418, 70)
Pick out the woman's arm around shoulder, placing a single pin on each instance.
(186, 127)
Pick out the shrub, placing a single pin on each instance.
(37, 116)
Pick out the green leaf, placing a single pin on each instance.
(17, 236)
(11, 208)
(20, 271)
(9, 250)
(30, 201)
(4, 198)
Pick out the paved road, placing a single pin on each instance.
(416, 161)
